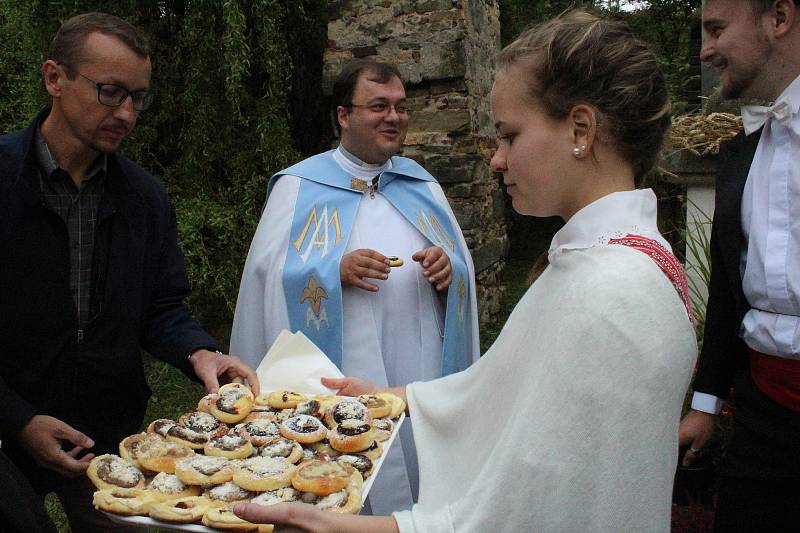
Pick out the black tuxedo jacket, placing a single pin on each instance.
(724, 352)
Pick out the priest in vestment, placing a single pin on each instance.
(319, 263)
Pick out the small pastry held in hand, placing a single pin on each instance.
(394, 261)
(351, 436)
(234, 402)
(109, 471)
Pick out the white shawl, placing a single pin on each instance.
(569, 421)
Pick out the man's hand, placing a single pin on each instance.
(360, 264)
(210, 367)
(42, 438)
(437, 266)
(695, 430)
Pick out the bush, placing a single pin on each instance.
(224, 76)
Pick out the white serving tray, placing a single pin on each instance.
(146, 521)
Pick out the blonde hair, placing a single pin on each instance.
(581, 58)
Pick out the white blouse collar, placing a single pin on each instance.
(610, 217)
(356, 167)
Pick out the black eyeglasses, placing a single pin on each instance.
(382, 108)
(111, 95)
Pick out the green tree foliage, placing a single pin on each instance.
(224, 74)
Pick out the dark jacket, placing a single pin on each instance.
(93, 379)
(724, 352)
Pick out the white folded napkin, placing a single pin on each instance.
(295, 363)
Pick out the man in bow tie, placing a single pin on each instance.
(752, 332)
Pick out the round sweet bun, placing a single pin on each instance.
(227, 494)
(225, 518)
(374, 451)
(160, 426)
(230, 447)
(346, 501)
(188, 437)
(165, 487)
(183, 510)
(204, 404)
(304, 429)
(394, 261)
(323, 449)
(282, 495)
(204, 470)
(351, 436)
(360, 462)
(287, 449)
(311, 408)
(128, 502)
(203, 422)
(383, 429)
(285, 399)
(160, 455)
(346, 409)
(129, 447)
(397, 403)
(260, 474)
(378, 407)
(260, 431)
(234, 402)
(109, 471)
(321, 477)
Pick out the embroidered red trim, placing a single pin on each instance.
(667, 262)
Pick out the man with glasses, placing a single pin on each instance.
(326, 260)
(92, 272)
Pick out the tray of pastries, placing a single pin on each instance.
(187, 474)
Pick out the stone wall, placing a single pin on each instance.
(445, 50)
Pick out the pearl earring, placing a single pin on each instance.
(578, 150)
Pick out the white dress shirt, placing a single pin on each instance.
(770, 261)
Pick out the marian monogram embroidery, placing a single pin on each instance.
(433, 231)
(319, 235)
(314, 294)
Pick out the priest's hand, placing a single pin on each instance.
(695, 430)
(305, 518)
(360, 264)
(437, 266)
(212, 367)
(43, 436)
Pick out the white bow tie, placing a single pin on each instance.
(754, 116)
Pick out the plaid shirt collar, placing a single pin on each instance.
(48, 164)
